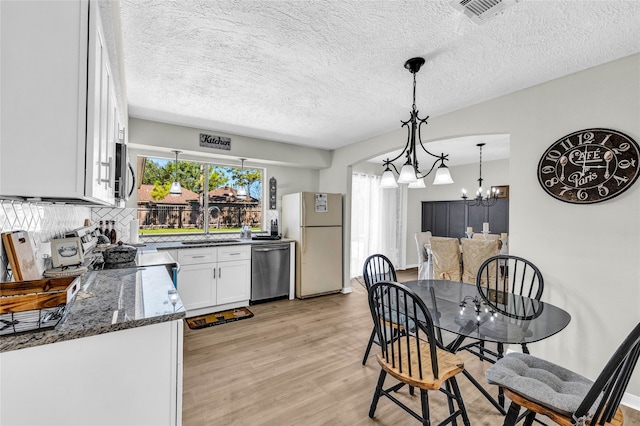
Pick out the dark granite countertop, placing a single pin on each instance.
(108, 301)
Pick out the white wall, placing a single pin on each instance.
(589, 254)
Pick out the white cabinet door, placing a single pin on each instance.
(196, 285)
(102, 116)
(128, 377)
(234, 281)
(59, 101)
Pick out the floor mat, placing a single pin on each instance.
(218, 318)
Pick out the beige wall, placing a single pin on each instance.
(295, 168)
(589, 254)
(159, 137)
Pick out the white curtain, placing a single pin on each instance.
(377, 221)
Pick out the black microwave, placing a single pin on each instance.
(125, 175)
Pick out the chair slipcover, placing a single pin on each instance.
(474, 253)
(445, 253)
(480, 236)
(423, 246)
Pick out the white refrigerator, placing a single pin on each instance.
(314, 221)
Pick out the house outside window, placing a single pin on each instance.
(219, 209)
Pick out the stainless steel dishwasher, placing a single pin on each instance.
(269, 272)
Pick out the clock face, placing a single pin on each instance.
(589, 166)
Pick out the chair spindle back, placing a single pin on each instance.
(612, 382)
(378, 267)
(511, 274)
(405, 329)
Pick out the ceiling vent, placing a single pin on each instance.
(480, 11)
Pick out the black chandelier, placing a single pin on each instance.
(410, 172)
(478, 200)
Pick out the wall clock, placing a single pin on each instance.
(589, 166)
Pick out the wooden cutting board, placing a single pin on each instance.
(21, 256)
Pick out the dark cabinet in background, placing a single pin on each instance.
(450, 218)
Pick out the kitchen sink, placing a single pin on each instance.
(221, 241)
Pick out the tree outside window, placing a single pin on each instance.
(219, 208)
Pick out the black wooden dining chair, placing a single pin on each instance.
(377, 267)
(509, 274)
(411, 352)
(503, 275)
(565, 397)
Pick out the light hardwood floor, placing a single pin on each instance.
(298, 362)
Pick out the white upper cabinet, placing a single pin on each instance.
(59, 111)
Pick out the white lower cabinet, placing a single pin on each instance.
(231, 285)
(214, 278)
(127, 377)
(197, 285)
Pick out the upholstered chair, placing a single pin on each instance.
(445, 254)
(423, 247)
(474, 253)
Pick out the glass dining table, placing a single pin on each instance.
(502, 318)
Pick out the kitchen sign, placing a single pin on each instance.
(215, 142)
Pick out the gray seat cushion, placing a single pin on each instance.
(540, 381)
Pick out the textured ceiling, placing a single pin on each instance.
(330, 73)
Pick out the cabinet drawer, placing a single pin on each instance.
(195, 256)
(227, 253)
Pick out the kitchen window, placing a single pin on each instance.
(212, 199)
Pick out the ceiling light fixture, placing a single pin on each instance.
(176, 189)
(492, 195)
(241, 192)
(410, 173)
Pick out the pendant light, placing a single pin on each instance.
(410, 173)
(388, 181)
(242, 192)
(478, 200)
(176, 189)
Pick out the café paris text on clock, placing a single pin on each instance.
(589, 166)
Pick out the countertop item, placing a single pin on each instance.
(33, 305)
(108, 301)
(21, 256)
(121, 253)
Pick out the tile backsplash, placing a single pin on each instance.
(43, 222)
(122, 218)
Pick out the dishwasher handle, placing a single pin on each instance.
(271, 249)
